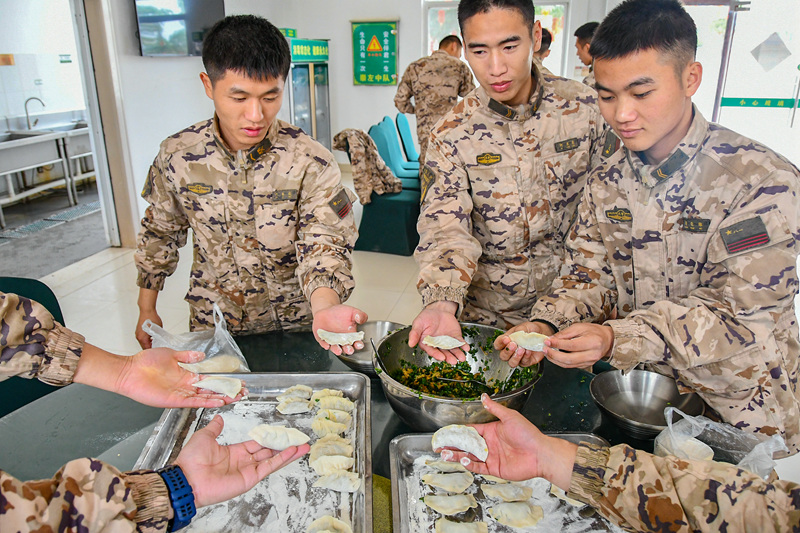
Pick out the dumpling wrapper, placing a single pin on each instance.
(444, 342)
(328, 464)
(452, 482)
(330, 444)
(278, 437)
(328, 523)
(295, 391)
(561, 495)
(334, 402)
(463, 438)
(228, 386)
(326, 392)
(445, 466)
(443, 525)
(340, 481)
(493, 479)
(342, 339)
(218, 363)
(517, 514)
(450, 504)
(322, 427)
(510, 492)
(529, 341)
(342, 417)
(293, 406)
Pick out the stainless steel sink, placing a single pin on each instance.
(17, 135)
(68, 127)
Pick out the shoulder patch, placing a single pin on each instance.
(199, 188)
(426, 179)
(488, 159)
(148, 186)
(696, 225)
(341, 204)
(744, 235)
(619, 214)
(611, 145)
(566, 146)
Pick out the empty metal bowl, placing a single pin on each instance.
(636, 401)
(361, 360)
(426, 412)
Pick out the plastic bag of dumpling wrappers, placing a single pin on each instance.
(222, 353)
(694, 436)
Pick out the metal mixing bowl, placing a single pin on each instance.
(426, 412)
(361, 360)
(636, 401)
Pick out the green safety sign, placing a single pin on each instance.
(374, 53)
(308, 50)
(759, 102)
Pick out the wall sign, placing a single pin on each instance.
(374, 52)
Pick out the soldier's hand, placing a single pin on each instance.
(219, 473)
(436, 319)
(339, 319)
(509, 351)
(518, 450)
(580, 345)
(144, 338)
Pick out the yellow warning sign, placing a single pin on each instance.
(374, 45)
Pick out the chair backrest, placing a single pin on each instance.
(16, 392)
(391, 157)
(407, 137)
(394, 144)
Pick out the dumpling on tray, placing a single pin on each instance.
(510, 492)
(322, 427)
(334, 402)
(342, 417)
(328, 464)
(326, 392)
(454, 482)
(450, 504)
(517, 514)
(339, 481)
(330, 444)
(296, 391)
(293, 406)
(328, 523)
(443, 525)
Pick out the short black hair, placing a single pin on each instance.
(249, 45)
(638, 25)
(447, 41)
(585, 32)
(547, 39)
(469, 8)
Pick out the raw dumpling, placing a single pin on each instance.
(342, 339)
(443, 525)
(218, 363)
(228, 386)
(493, 479)
(561, 495)
(445, 342)
(328, 464)
(326, 392)
(510, 492)
(340, 481)
(330, 444)
(445, 466)
(328, 523)
(455, 482)
(297, 391)
(342, 417)
(529, 341)
(464, 438)
(293, 406)
(450, 504)
(517, 514)
(334, 402)
(277, 437)
(322, 427)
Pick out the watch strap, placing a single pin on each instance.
(181, 496)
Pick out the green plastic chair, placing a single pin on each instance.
(16, 392)
(407, 137)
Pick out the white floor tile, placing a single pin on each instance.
(377, 303)
(407, 308)
(383, 271)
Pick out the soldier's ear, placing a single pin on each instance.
(208, 85)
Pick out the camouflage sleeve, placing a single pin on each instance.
(326, 232)
(34, 345)
(642, 492)
(466, 84)
(164, 231)
(447, 253)
(402, 99)
(86, 495)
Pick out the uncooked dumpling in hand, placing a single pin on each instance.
(454, 482)
(529, 341)
(517, 514)
(464, 438)
(443, 342)
(450, 504)
(218, 363)
(510, 492)
(228, 386)
(443, 525)
(277, 437)
(342, 339)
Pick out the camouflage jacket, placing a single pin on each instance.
(85, 495)
(642, 492)
(589, 80)
(435, 82)
(270, 226)
(698, 255)
(500, 188)
(370, 172)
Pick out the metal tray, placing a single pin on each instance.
(284, 500)
(411, 515)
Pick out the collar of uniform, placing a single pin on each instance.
(256, 152)
(522, 112)
(439, 52)
(680, 156)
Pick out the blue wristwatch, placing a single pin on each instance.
(181, 496)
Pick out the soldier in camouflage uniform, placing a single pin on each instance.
(86, 494)
(505, 170)
(434, 82)
(634, 489)
(689, 233)
(273, 226)
(583, 40)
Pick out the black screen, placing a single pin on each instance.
(175, 27)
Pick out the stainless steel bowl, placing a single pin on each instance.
(636, 401)
(361, 360)
(426, 412)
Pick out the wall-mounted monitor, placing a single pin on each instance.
(175, 27)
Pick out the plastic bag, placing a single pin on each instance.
(222, 353)
(748, 451)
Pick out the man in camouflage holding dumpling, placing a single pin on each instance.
(273, 226)
(504, 172)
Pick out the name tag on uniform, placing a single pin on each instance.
(341, 204)
(488, 159)
(744, 235)
(696, 225)
(199, 188)
(566, 146)
(619, 214)
(284, 195)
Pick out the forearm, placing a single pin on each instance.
(100, 369)
(323, 298)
